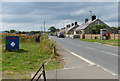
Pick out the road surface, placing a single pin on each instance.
(104, 56)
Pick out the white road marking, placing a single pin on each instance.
(109, 53)
(76, 67)
(81, 57)
(90, 48)
(95, 49)
(103, 51)
(90, 62)
(105, 44)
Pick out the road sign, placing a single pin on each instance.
(12, 42)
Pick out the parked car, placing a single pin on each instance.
(61, 35)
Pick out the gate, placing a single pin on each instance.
(42, 67)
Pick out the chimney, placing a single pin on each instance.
(75, 23)
(72, 24)
(86, 20)
(93, 17)
(68, 25)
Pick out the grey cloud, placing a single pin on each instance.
(57, 12)
(61, 0)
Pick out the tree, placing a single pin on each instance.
(52, 29)
(57, 30)
(12, 31)
(7, 31)
(96, 29)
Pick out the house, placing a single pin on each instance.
(71, 28)
(63, 29)
(92, 27)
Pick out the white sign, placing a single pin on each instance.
(12, 44)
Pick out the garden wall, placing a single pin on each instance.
(97, 36)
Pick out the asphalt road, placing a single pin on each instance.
(104, 56)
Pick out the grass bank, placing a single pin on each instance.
(108, 42)
(21, 63)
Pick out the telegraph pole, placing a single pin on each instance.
(44, 26)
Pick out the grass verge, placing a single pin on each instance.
(108, 42)
(21, 63)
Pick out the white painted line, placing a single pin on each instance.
(75, 67)
(105, 44)
(107, 70)
(82, 58)
(103, 51)
(109, 53)
(90, 48)
(90, 62)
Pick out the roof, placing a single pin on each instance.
(71, 28)
(84, 25)
(63, 30)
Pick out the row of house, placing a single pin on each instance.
(87, 27)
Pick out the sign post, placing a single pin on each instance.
(12, 43)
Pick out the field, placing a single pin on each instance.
(108, 42)
(20, 64)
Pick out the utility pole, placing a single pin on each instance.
(44, 26)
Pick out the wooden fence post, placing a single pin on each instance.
(54, 50)
(44, 75)
(91, 36)
(114, 36)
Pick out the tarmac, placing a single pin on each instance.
(76, 68)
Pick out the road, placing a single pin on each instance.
(104, 56)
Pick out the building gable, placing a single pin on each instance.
(97, 22)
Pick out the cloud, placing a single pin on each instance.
(61, 0)
(79, 12)
(30, 15)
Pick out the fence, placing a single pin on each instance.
(39, 75)
(42, 67)
(97, 36)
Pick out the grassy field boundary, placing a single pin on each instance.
(106, 42)
(20, 64)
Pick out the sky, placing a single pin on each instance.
(28, 16)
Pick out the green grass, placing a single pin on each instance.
(108, 42)
(21, 63)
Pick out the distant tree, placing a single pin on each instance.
(12, 31)
(52, 29)
(19, 32)
(32, 32)
(57, 30)
(7, 31)
(23, 32)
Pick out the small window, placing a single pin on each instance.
(97, 23)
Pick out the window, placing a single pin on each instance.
(97, 23)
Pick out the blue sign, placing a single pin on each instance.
(12, 42)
